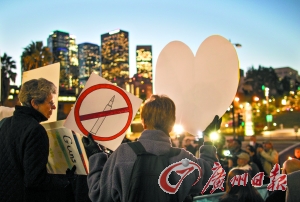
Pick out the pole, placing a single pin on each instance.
(233, 121)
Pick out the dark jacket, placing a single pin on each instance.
(24, 148)
(108, 180)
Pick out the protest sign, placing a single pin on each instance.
(49, 72)
(103, 110)
(65, 150)
(201, 86)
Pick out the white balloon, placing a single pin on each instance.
(201, 86)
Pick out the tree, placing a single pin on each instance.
(35, 56)
(257, 79)
(284, 86)
(7, 75)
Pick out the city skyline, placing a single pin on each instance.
(268, 31)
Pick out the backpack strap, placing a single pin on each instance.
(137, 147)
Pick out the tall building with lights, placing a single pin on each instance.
(89, 61)
(73, 61)
(58, 43)
(115, 56)
(144, 61)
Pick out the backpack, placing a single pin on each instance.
(144, 177)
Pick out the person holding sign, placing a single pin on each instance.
(24, 147)
(109, 178)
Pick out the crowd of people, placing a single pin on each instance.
(24, 148)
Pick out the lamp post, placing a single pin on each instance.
(237, 45)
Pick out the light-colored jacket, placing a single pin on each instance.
(108, 179)
(268, 160)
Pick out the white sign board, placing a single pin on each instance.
(65, 150)
(49, 72)
(103, 110)
(201, 86)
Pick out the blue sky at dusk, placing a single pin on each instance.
(269, 31)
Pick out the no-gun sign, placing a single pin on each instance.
(103, 110)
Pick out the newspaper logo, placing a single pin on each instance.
(183, 168)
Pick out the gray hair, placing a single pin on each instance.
(37, 89)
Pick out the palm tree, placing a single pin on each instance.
(7, 75)
(35, 56)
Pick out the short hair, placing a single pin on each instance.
(158, 112)
(37, 89)
(291, 165)
(297, 148)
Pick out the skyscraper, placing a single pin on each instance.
(144, 61)
(73, 57)
(89, 61)
(115, 56)
(58, 43)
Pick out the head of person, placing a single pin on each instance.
(243, 159)
(267, 146)
(38, 94)
(234, 144)
(244, 193)
(158, 112)
(290, 165)
(297, 152)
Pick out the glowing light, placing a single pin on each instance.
(289, 158)
(226, 125)
(274, 124)
(200, 134)
(178, 129)
(214, 136)
(236, 99)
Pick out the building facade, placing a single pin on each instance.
(115, 56)
(73, 61)
(89, 61)
(144, 61)
(58, 43)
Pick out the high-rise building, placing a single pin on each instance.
(89, 61)
(115, 56)
(58, 43)
(73, 57)
(144, 61)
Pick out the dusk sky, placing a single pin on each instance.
(269, 30)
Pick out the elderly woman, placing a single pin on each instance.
(24, 146)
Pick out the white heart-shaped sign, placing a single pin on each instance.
(201, 86)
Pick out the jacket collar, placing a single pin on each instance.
(155, 135)
(31, 112)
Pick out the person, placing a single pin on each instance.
(293, 174)
(235, 148)
(253, 142)
(24, 147)
(289, 166)
(188, 145)
(243, 163)
(254, 157)
(268, 157)
(109, 179)
(297, 153)
(235, 193)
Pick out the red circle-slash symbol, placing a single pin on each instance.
(83, 96)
